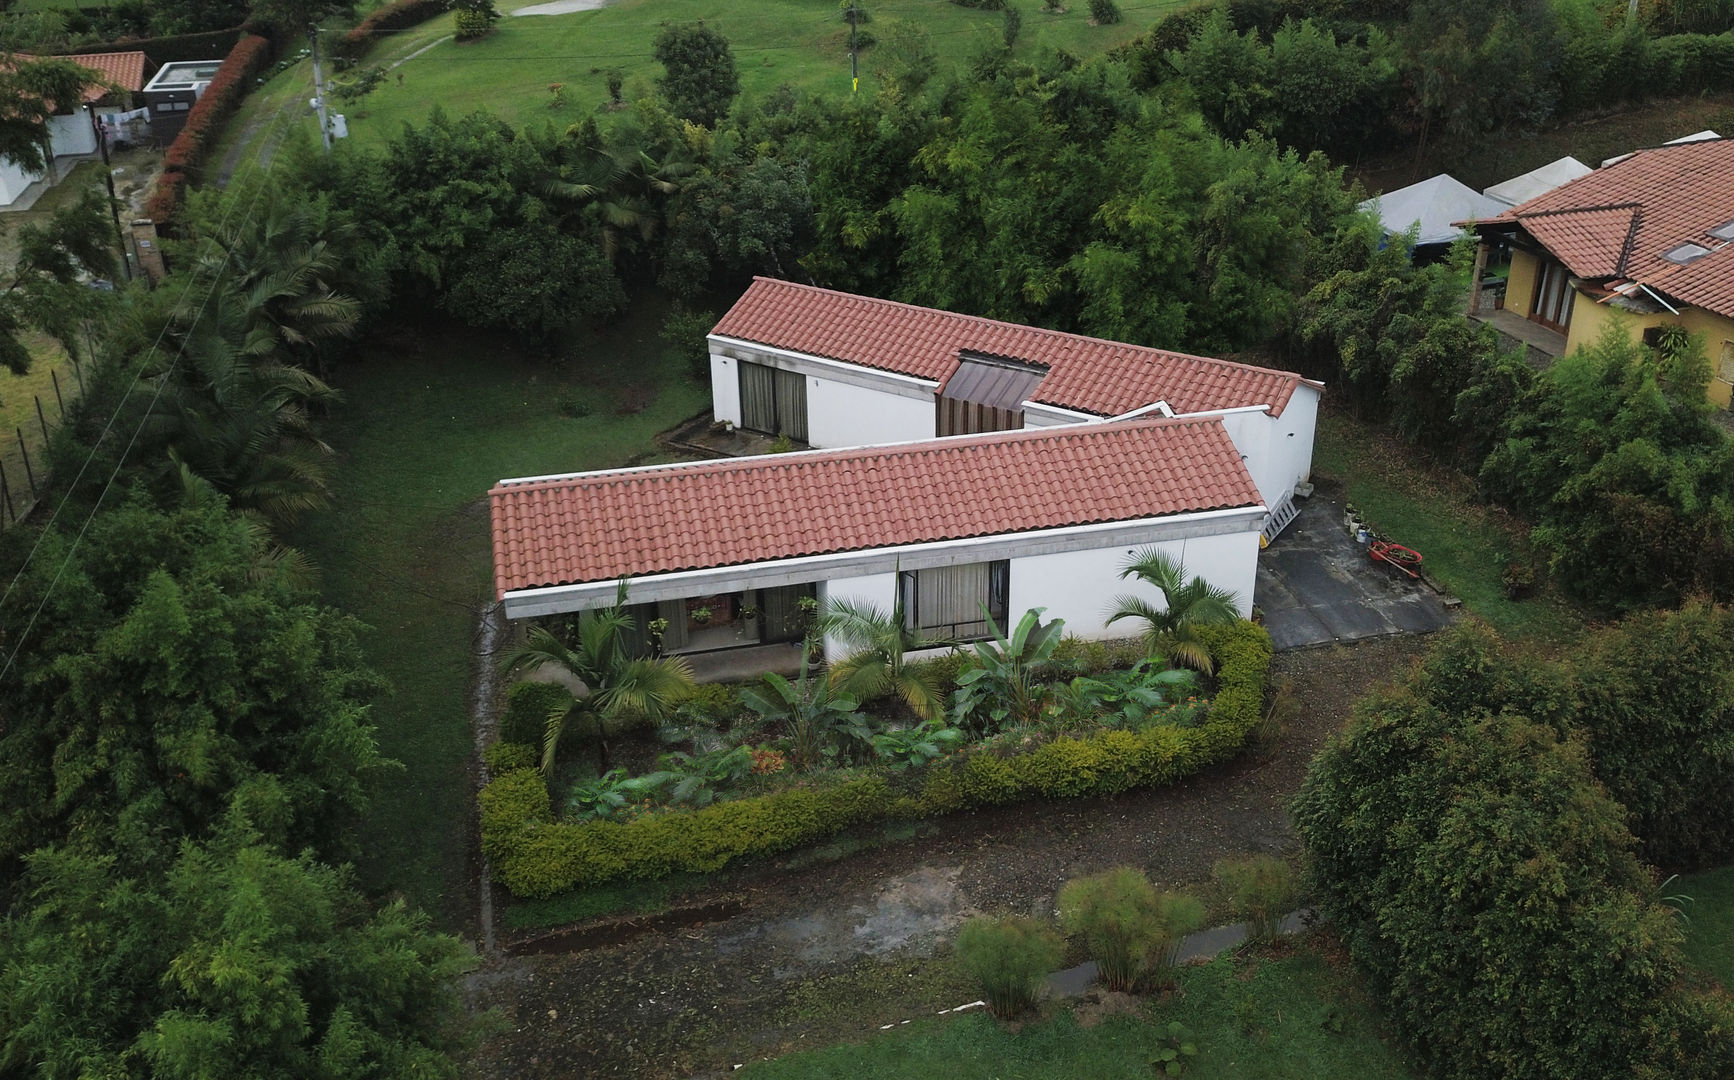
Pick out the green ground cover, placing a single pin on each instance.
(1710, 929)
(803, 43)
(1295, 1018)
(1466, 545)
(431, 419)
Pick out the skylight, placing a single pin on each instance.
(1724, 231)
(1685, 253)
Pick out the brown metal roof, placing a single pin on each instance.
(993, 382)
(604, 526)
(1085, 374)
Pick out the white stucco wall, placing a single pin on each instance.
(841, 415)
(1080, 586)
(13, 181)
(1278, 451)
(71, 134)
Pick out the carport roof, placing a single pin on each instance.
(598, 527)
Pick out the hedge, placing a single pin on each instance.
(204, 123)
(394, 16)
(173, 48)
(534, 856)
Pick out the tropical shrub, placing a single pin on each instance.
(1132, 931)
(903, 748)
(469, 24)
(534, 856)
(528, 706)
(1145, 694)
(612, 795)
(820, 721)
(1104, 12)
(1172, 630)
(1006, 678)
(1260, 890)
(1009, 957)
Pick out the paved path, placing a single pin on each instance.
(1316, 585)
(561, 7)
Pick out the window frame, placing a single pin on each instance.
(998, 601)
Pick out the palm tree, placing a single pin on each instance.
(617, 689)
(877, 666)
(236, 415)
(624, 187)
(1187, 605)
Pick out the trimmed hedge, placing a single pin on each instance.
(173, 48)
(186, 155)
(394, 16)
(536, 857)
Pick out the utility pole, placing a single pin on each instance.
(319, 88)
(854, 70)
(108, 175)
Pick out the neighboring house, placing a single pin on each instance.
(73, 134)
(832, 369)
(724, 551)
(964, 464)
(1646, 239)
(1432, 207)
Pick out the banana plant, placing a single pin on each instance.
(1005, 683)
(916, 746)
(610, 794)
(820, 718)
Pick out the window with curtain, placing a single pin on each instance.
(773, 401)
(947, 601)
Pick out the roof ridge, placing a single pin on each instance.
(1563, 210)
(1033, 329)
(1631, 241)
(1057, 432)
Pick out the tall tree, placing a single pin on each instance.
(45, 290)
(699, 78)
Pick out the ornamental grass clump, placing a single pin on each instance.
(1260, 890)
(1010, 957)
(1132, 931)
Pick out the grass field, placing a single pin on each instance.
(1466, 545)
(1710, 929)
(429, 423)
(1291, 1019)
(803, 43)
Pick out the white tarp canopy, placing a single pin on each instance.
(1435, 203)
(1521, 189)
(1697, 136)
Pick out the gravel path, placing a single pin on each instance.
(807, 960)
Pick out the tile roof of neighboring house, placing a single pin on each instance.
(124, 69)
(595, 527)
(1085, 374)
(1619, 221)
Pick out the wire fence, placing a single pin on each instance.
(24, 448)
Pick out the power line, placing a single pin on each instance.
(162, 381)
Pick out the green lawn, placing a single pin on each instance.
(1710, 931)
(803, 43)
(1465, 545)
(1291, 1019)
(429, 422)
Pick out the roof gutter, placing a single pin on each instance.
(1155, 406)
(1658, 299)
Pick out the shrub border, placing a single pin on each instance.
(535, 857)
(186, 155)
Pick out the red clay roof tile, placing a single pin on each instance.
(1619, 220)
(1086, 374)
(603, 526)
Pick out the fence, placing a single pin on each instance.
(24, 458)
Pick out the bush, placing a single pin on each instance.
(468, 25)
(506, 756)
(981, 5)
(174, 48)
(1260, 890)
(204, 122)
(687, 334)
(1487, 884)
(528, 705)
(1132, 932)
(1009, 957)
(1104, 12)
(536, 857)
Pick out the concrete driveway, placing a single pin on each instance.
(1316, 585)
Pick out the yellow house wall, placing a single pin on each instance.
(1520, 287)
(1588, 318)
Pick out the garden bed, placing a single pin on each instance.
(536, 855)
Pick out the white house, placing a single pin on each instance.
(958, 463)
(74, 134)
(722, 552)
(832, 369)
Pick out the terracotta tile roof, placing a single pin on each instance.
(125, 69)
(602, 526)
(1619, 220)
(1086, 374)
